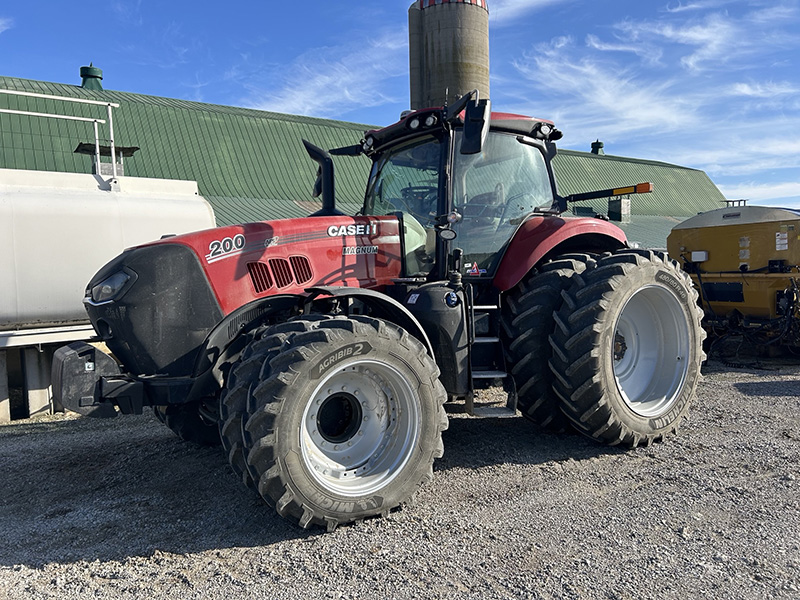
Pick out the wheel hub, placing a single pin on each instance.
(339, 417)
(360, 427)
(619, 346)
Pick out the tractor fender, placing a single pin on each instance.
(382, 307)
(539, 236)
(219, 345)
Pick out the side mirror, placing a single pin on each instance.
(476, 126)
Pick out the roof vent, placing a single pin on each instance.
(91, 78)
(597, 148)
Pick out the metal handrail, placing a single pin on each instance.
(65, 98)
(108, 105)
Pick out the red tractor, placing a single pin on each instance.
(321, 351)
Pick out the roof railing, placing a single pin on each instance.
(95, 122)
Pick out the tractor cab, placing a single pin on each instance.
(427, 172)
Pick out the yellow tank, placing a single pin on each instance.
(744, 261)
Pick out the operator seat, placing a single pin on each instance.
(485, 209)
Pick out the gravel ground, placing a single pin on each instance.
(122, 509)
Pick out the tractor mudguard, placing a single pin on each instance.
(541, 235)
(220, 344)
(382, 307)
(240, 321)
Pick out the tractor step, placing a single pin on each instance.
(489, 374)
(497, 412)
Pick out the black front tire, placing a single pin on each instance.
(245, 375)
(347, 423)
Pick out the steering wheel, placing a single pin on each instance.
(418, 200)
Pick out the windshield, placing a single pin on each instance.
(406, 180)
(493, 191)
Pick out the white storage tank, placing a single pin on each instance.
(58, 229)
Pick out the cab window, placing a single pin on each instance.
(405, 180)
(493, 191)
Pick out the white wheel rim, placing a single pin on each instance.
(360, 428)
(650, 351)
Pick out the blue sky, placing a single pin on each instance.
(709, 84)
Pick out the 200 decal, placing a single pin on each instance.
(219, 249)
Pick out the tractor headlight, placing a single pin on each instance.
(108, 289)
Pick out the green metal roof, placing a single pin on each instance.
(251, 165)
(677, 191)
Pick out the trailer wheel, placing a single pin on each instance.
(347, 423)
(627, 348)
(527, 323)
(188, 422)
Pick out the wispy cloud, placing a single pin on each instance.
(770, 15)
(327, 82)
(602, 95)
(713, 95)
(5, 24)
(765, 193)
(167, 48)
(719, 40)
(767, 89)
(506, 11)
(697, 5)
(648, 52)
(716, 38)
(129, 12)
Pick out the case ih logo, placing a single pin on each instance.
(361, 229)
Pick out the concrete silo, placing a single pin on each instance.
(448, 50)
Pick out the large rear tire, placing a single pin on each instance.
(627, 348)
(527, 323)
(348, 422)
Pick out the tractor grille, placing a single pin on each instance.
(279, 272)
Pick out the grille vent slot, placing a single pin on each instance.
(259, 274)
(301, 268)
(281, 271)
